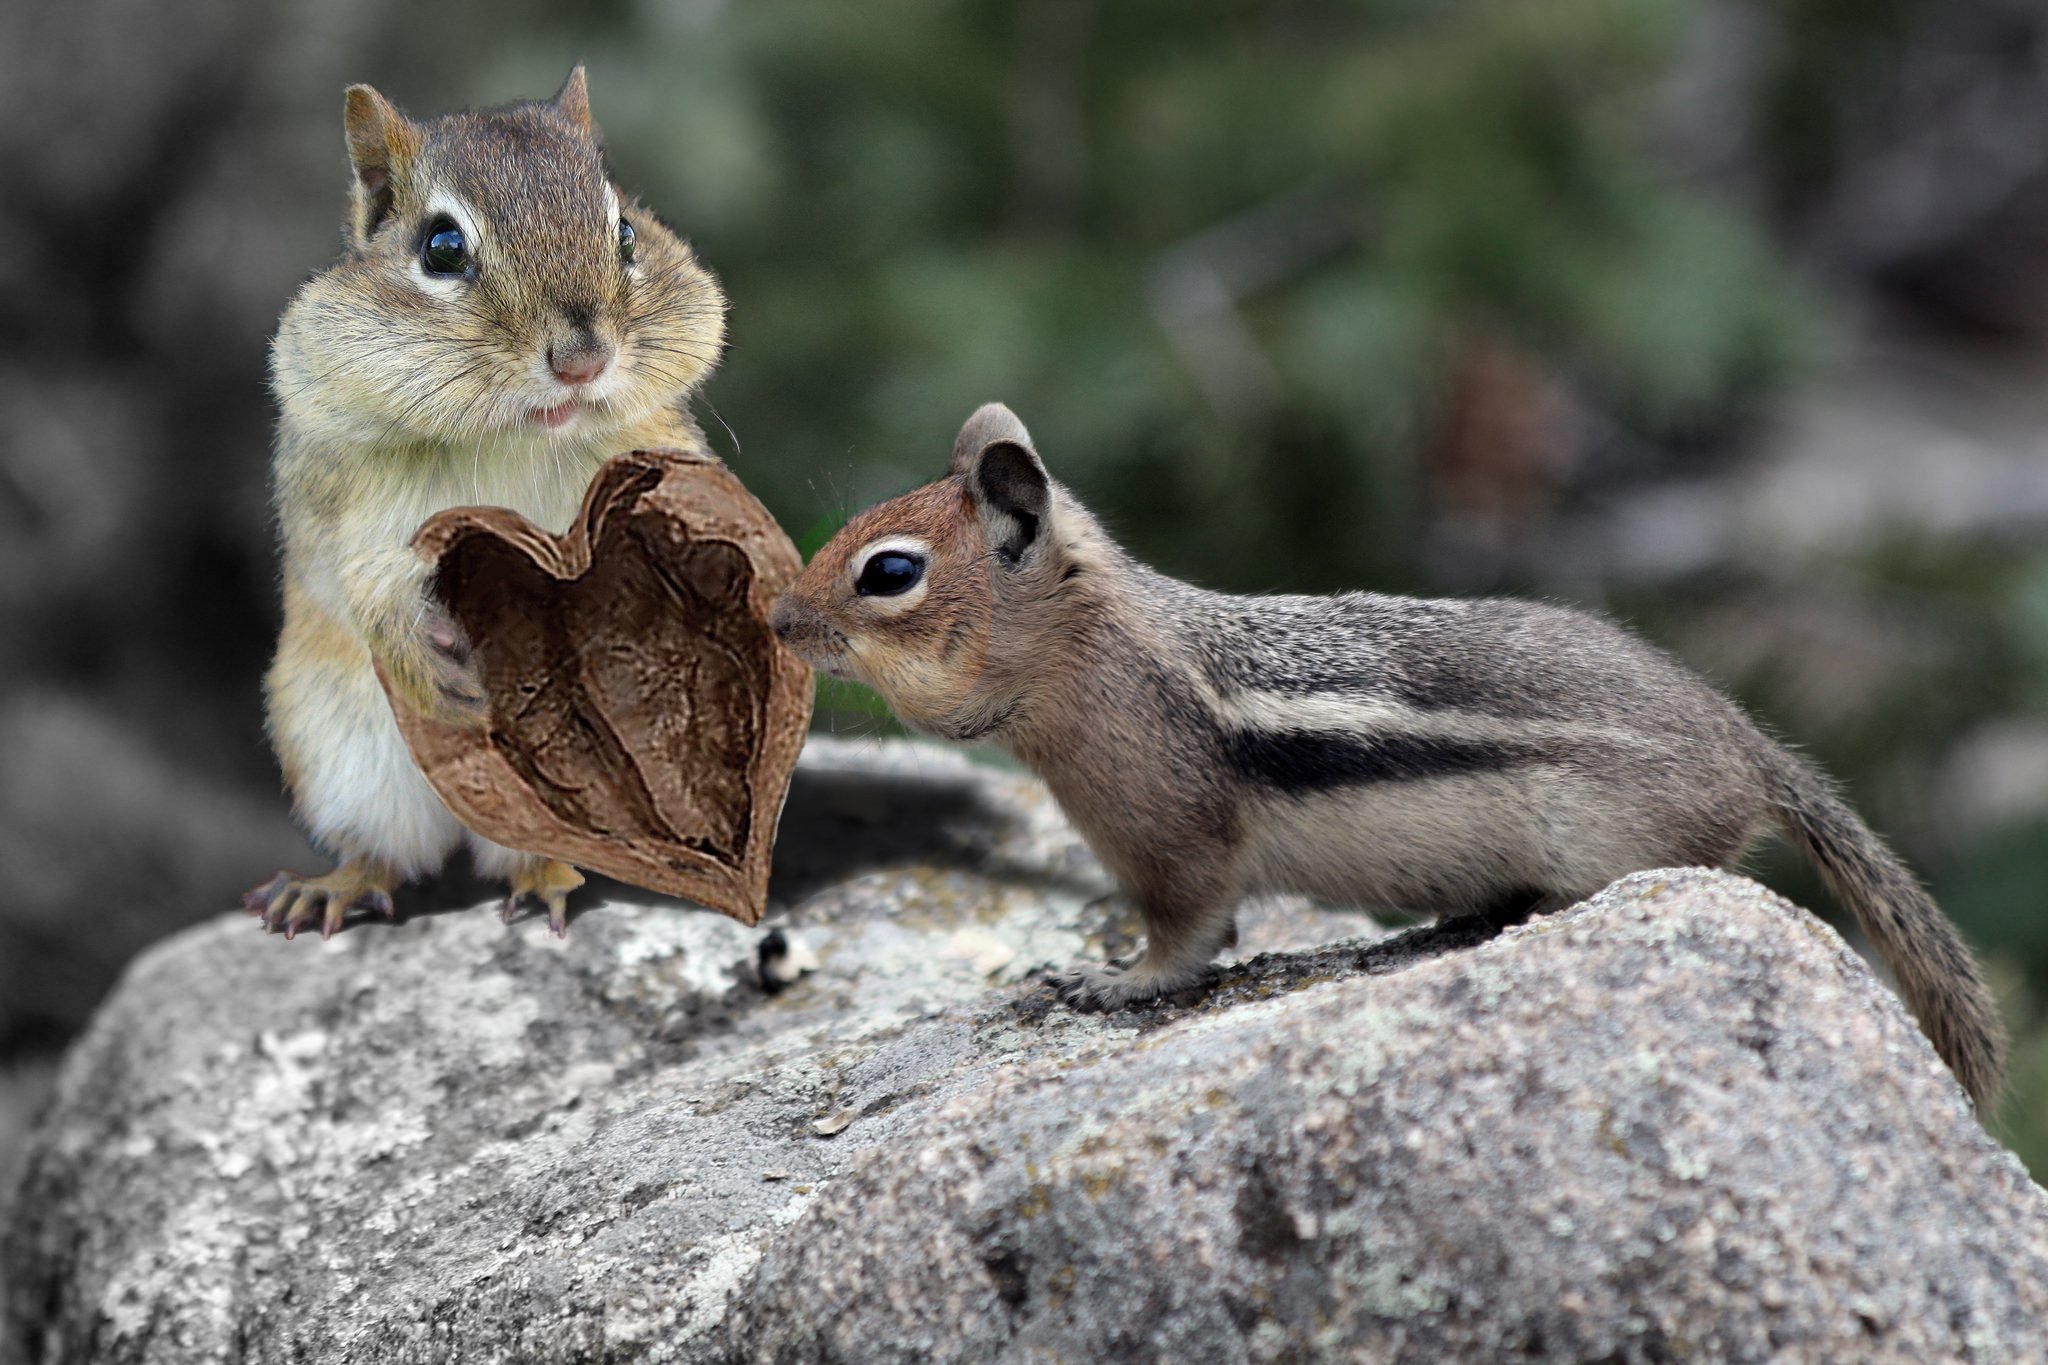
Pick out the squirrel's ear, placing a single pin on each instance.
(990, 422)
(573, 99)
(1010, 488)
(381, 143)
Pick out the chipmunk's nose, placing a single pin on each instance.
(784, 618)
(579, 362)
(798, 623)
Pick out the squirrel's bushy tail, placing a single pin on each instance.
(1937, 975)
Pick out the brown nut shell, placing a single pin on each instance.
(644, 719)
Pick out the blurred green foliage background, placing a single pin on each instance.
(1725, 317)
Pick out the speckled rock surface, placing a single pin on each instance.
(1680, 1121)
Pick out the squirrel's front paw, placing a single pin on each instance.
(455, 684)
(1102, 986)
(1116, 985)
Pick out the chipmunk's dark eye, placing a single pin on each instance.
(626, 237)
(889, 573)
(445, 250)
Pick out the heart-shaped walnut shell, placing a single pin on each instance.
(644, 719)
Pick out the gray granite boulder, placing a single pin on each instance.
(1679, 1121)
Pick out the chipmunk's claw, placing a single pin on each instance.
(549, 882)
(290, 903)
(1123, 983)
(1101, 986)
(257, 900)
(555, 902)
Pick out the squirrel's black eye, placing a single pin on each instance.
(445, 250)
(626, 237)
(889, 573)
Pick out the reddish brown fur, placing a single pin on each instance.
(927, 660)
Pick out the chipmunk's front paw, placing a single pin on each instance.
(1103, 986)
(1118, 985)
(452, 671)
(291, 903)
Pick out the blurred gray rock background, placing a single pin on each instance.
(1681, 1120)
(1728, 317)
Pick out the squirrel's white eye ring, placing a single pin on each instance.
(890, 573)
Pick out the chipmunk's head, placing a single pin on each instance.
(947, 599)
(495, 284)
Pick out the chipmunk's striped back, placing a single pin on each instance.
(1491, 757)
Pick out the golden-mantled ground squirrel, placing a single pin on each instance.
(501, 321)
(1450, 757)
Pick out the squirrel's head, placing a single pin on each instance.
(494, 283)
(947, 599)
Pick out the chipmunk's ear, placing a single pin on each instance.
(991, 422)
(1009, 486)
(381, 143)
(573, 99)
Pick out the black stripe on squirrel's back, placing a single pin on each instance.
(1297, 761)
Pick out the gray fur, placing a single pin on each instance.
(1446, 757)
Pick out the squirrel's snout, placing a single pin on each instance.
(803, 629)
(579, 363)
(785, 619)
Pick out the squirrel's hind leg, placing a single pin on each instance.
(291, 902)
(354, 784)
(533, 877)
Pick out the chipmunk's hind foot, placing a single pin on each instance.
(290, 902)
(548, 881)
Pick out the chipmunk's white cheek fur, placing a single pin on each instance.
(864, 663)
(920, 695)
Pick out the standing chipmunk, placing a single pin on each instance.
(1449, 757)
(502, 320)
